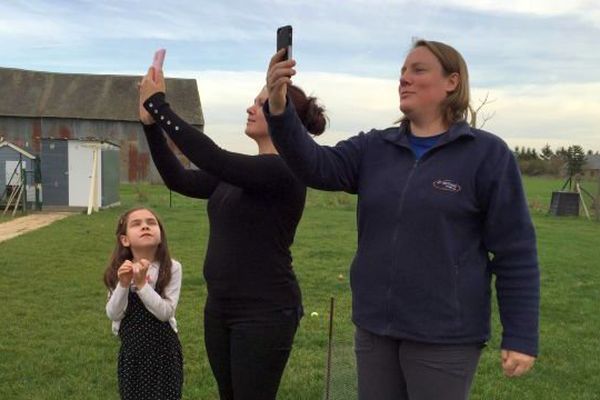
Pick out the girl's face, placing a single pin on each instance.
(423, 86)
(256, 125)
(142, 230)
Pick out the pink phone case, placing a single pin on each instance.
(159, 59)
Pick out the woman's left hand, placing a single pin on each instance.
(153, 82)
(515, 363)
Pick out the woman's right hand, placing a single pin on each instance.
(145, 116)
(279, 76)
(125, 273)
(147, 87)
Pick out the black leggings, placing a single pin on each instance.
(248, 355)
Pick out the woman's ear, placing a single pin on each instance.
(452, 82)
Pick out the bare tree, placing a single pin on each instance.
(475, 112)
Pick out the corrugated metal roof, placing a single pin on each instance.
(84, 96)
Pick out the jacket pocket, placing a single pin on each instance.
(456, 294)
(364, 341)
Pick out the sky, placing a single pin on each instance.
(537, 61)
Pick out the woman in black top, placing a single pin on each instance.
(255, 203)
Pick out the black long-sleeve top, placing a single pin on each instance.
(255, 204)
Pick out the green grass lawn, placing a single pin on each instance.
(55, 340)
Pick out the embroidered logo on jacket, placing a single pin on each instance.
(446, 185)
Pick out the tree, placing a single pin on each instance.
(575, 157)
(475, 113)
(526, 154)
(562, 153)
(546, 152)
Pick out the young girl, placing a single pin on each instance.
(144, 284)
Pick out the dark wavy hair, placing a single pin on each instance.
(121, 253)
(310, 113)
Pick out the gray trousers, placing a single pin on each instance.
(393, 369)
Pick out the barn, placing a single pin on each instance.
(36, 105)
(591, 168)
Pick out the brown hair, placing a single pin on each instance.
(456, 105)
(122, 253)
(310, 113)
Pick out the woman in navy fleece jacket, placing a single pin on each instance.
(441, 209)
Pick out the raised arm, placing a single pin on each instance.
(189, 182)
(255, 173)
(321, 167)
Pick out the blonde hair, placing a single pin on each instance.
(456, 105)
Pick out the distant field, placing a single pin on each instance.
(55, 340)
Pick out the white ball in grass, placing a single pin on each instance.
(314, 314)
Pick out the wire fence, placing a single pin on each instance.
(340, 374)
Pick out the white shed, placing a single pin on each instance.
(79, 173)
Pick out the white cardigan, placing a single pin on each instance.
(161, 308)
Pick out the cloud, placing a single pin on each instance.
(558, 114)
(585, 9)
(353, 104)
(20, 22)
(533, 115)
(519, 41)
(538, 58)
(545, 8)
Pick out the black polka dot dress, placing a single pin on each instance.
(150, 365)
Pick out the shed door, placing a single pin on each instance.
(55, 173)
(81, 156)
(10, 170)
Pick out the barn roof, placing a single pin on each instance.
(84, 96)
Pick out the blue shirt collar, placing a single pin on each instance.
(457, 130)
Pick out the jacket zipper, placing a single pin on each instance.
(394, 239)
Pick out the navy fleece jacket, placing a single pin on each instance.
(431, 232)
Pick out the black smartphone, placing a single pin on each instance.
(284, 40)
